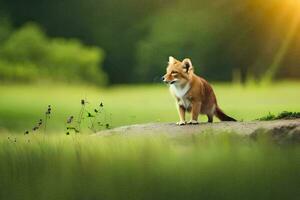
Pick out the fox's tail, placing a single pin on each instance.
(222, 116)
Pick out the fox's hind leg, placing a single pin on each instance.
(210, 115)
(210, 118)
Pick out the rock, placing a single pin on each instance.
(278, 129)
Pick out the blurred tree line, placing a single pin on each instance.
(27, 55)
(226, 39)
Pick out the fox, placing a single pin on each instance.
(193, 94)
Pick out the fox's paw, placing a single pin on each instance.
(194, 122)
(181, 123)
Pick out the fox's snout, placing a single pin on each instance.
(164, 79)
(168, 80)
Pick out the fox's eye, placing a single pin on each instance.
(174, 72)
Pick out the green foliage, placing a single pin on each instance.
(28, 55)
(268, 117)
(28, 44)
(211, 35)
(245, 38)
(18, 72)
(288, 115)
(79, 62)
(282, 115)
(5, 28)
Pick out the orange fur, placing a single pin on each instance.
(193, 93)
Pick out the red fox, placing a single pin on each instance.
(193, 93)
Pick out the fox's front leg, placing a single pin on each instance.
(181, 112)
(196, 107)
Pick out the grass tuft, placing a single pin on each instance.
(282, 115)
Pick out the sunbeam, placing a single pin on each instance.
(294, 6)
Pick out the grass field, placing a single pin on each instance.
(22, 106)
(78, 166)
(202, 167)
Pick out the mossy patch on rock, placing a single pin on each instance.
(282, 115)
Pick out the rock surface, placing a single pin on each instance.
(278, 129)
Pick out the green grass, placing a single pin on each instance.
(209, 166)
(21, 106)
(282, 115)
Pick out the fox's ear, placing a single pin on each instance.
(187, 64)
(172, 60)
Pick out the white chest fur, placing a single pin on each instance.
(180, 93)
